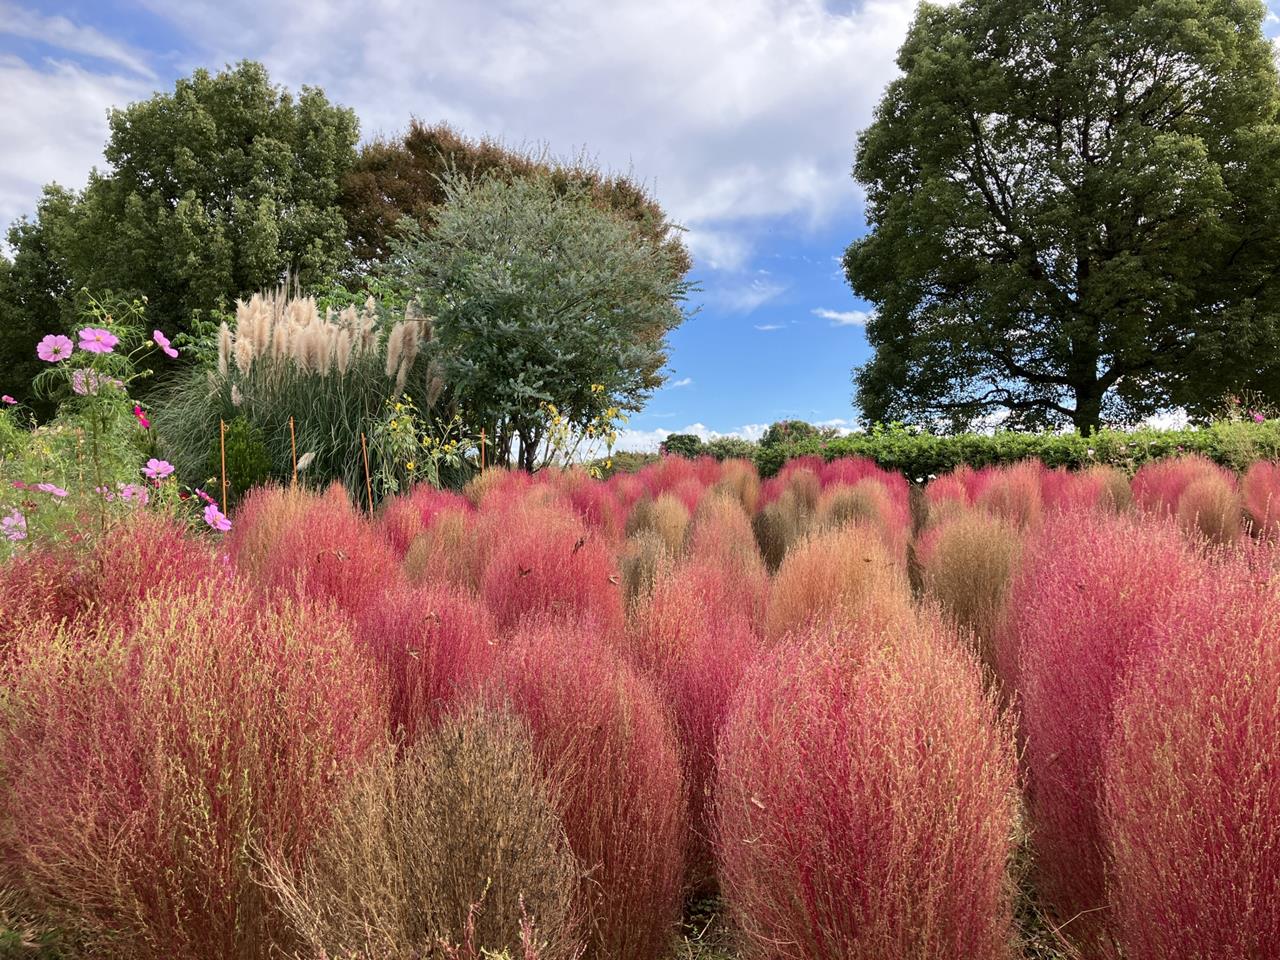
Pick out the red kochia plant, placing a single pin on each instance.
(433, 646)
(313, 546)
(404, 517)
(1211, 508)
(720, 533)
(1192, 794)
(1261, 489)
(1158, 485)
(147, 767)
(1013, 494)
(694, 640)
(544, 562)
(865, 802)
(1080, 610)
(843, 576)
(606, 744)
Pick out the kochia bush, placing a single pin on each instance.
(1080, 611)
(1192, 796)
(607, 746)
(848, 764)
(149, 767)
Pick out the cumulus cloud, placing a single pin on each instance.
(731, 110)
(647, 441)
(682, 382)
(769, 326)
(54, 118)
(62, 33)
(844, 318)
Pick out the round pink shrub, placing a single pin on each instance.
(1158, 485)
(1192, 796)
(607, 746)
(1261, 489)
(1079, 612)
(865, 802)
(148, 768)
(433, 646)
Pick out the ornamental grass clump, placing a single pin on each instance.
(667, 516)
(315, 546)
(867, 501)
(866, 799)
(607, 747)
(843, 578)
(1081, 610)
(332, 373)
(543, 562)
(1211, 508)
(720, 533)
(967, 566)
(693, 639)
(1191, 801)
(433, 647)
(455, 840)
(1261, 490)
(1098, 488)
(147, 768)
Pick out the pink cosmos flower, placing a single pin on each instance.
(51, 489)
(1258, 418)
(163, 343)
(216, 518)
(8, 399)
(107, 495)
(97, 340)
(14, 526)
(134, 494)
(54, 348)
(142, 417)
(157, 469)
(205, 497)
(19, 485)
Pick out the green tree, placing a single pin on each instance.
(539, 298)
(1075, 213)
(405, 177)
(213, 191)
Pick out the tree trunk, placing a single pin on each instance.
(1087, 415)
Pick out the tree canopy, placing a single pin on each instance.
(1075, 213)
(211, 192)
(539, 297)
(405, 177)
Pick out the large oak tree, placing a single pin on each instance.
(1075, 213)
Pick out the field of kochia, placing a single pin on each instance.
(540, 718)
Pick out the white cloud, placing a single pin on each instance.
(647, 441)
(55, 124)
(769, 326)
(731, 110)
(682, 382)
(844, 318)
(746, 298)
(59, 32)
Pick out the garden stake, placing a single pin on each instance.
(368, 486)
(222, 442)
(482, 449)
(293, 448)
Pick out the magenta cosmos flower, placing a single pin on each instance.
(8, 400)
(141, 417)
(216, 518)
(163, 343)
(97, 340)
(54, 348)
(157, 469)
(51, 489)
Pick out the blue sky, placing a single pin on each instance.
(741, 116)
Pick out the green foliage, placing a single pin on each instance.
(731, 448)
(1075, 214)
(683, 445)
(539, 298)
(790, 431)
(919, 455)
(248, 460)
(212, 191)
(406, 177)
(623, 461)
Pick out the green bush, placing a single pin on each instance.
(248, 459)
(731, 448)
(1233, 444)
(790, 431)
(683, 445)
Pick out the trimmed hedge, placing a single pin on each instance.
(918, 455)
